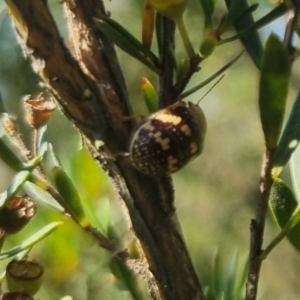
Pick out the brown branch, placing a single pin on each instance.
(167, 61)
(291, 24)
(93, 96)
(258, 225)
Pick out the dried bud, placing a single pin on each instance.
(16, 214)
(38, 111)
(24, 275)
(16, 296)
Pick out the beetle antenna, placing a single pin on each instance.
(211, 88)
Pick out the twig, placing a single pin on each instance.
(292, 15)
(258, 225)
(193, 68)
(167, 62)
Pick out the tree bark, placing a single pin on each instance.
(90, 90)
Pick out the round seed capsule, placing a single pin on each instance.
(168, 139)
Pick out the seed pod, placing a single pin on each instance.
(16, 296)
(24, 275)
(16, 214)
(38, 111)
(168, 139)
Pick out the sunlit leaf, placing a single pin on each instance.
(10, 153)
(289, 141)
(14, 187)
(31, 241)
(38, 195)
(285, 210)
(92, 189)
(295, 172)
(211, 78)
(273, 89)
(50, 160)
(42, 141)
(18, 181)
(69, 193)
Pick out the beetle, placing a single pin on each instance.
(168, 139)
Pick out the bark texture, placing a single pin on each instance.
(90, 90)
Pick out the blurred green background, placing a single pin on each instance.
(215, 194)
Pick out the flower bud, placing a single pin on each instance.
(208, 45)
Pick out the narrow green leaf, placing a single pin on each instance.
(50, 160)
(125, 276)
(9, 156)
(182, 69)
(211, 78)
(14, 187)
(295, 171)
(285, 210)
(2, 106)
(270, 17)
(10, 153)
(18, 181)
(241, 279)
(40, 196)
(235, 10)
(251, 41)
(231, 272)
(273, 89)
(208, 7)
(31, 241)
(69, 193)
(125, 42)
(247, 29)
(217, 279)
(133, 40)
(32, 164)
(42, 140)
(298, 27)
(289, 140)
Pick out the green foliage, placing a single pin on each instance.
(227, 279)
(208, 7)
(77, 188)
(273, 89)
(240, 14)
(289, 140)
(31, 241)
(70, 195)
(127, 42)
(286, 212)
